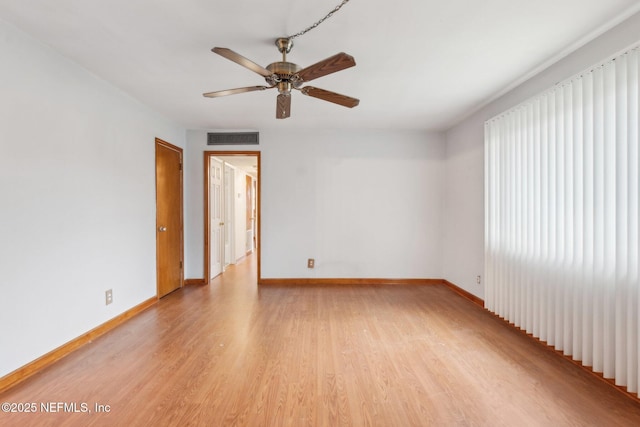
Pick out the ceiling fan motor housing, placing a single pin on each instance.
(286, 73)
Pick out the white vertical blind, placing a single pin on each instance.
(562, 212)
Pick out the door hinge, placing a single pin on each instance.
(180, 168)
(180, 264)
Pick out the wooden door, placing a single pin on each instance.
(169, 222)
(215, 217)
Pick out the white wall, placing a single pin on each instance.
(77, 195)
(363, 204)
(464, 189)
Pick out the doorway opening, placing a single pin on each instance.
(231, 209)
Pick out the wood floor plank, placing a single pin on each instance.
(233, 354)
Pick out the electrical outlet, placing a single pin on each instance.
(478, 281)
(108, 297)
(311, 263)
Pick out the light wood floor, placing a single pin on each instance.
(234, 354)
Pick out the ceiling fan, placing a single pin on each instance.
(287, 76)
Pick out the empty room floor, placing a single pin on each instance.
(232, 353)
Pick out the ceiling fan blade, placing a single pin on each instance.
(234, 91)
(283, 106)
(330, 65)
(326, 95)
(239, 59)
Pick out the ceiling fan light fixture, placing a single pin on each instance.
(284, 87)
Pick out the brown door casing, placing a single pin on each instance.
(257, 212)
(169, 221)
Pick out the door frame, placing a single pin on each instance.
(159, 142)
(207, 248)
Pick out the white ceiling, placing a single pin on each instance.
(421, 64)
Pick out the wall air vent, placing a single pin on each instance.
(233, 138)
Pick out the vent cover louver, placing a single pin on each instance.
(233, 138)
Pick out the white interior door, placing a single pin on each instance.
(228, 214)
(215, 218)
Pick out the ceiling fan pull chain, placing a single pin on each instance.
(306, 30)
